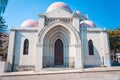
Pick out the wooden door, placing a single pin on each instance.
(58, 55)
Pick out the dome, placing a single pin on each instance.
(56, 5)
(29, 23)
(87, 23)
(78, 12)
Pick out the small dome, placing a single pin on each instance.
(56, 5)
(87, 23)
(29, 23)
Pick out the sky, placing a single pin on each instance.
(104, 13)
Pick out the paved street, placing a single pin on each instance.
(113, 75)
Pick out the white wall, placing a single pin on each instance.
(2, 66)
(98, 42)
(20, 59)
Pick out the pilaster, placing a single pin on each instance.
(41, 21)
(76, 21)
(39, 57)
(106, 50)
(78, 56)
(10, 56)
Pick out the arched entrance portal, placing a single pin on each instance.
(58, 52)
(59, 45)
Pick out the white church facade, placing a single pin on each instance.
(59, 38)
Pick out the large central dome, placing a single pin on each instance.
(57, 5)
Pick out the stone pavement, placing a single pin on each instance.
(111, 75)
(61, 70)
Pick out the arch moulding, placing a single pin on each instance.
(52, 25)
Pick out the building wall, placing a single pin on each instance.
(10, 50)
(20, 58)
(75, 43)
(99, 47)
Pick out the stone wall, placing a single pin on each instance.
(24, 68)
(2, 66)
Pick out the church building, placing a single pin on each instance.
(59, 38)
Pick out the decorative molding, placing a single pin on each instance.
(77, 45)
(39, 45)
(93, 30)
(55, 23)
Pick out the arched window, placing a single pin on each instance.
(91, 48)
(26, 47)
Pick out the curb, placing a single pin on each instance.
(29, 73)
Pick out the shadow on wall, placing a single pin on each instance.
(8, 67)
(94, 60)
(90, 60)
(17, 52)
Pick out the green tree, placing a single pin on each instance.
(3, 26)
(0, 39)
(114, 38)
(3, 4)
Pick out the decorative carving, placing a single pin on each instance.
(66, 20)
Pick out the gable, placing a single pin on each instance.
(59, 13)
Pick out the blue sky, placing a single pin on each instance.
(104, 13)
